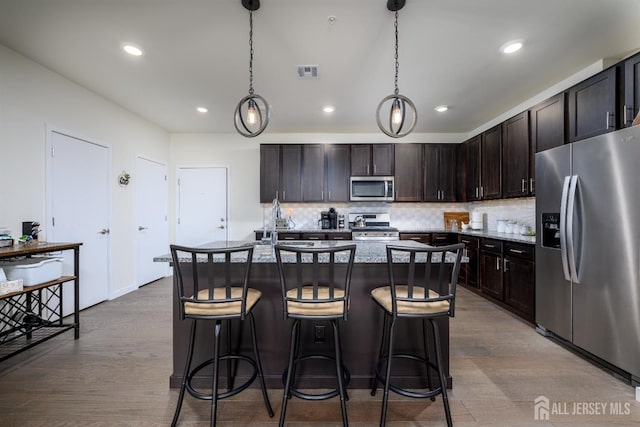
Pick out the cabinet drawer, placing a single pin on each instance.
(338, 236)
(288, 236)
(442, 239)
(418, 237)
(521, 251)
(491, 245)
(470, 242)
(314, 236)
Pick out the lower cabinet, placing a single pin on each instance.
(289, 235)
(469, 270)
(507, 275)
(417, 237)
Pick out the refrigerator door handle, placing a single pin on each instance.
(563, 228)
(571, 253)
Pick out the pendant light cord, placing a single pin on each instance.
(396, 57)
(251, 53)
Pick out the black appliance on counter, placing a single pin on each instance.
(329, 219)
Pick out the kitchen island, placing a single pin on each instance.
(360, 334)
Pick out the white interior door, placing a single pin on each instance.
(79, 205)
(202, 205)
(152, 230)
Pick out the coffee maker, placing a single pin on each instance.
(329, 219)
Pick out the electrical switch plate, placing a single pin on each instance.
(318, 334)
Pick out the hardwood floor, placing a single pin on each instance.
(117, 374)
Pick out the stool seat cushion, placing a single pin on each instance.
(315, 308)
(383, 297)
(210, 308)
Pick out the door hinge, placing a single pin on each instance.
(178, 182)
(53, 152)
(53, 222)
(165, 177)
(178, 221)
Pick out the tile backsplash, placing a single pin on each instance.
(410, 216)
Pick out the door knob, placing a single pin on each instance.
(221, 227)
(104, 231)
(140, 228)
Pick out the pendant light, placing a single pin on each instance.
(252, 113)
(397, 124)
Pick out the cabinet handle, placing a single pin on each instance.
(497, 263)
(465, 241)
(489, 246)
(337, 238)
(477, 195)
(624, 114)
(531, 188)
(321, 194)
(284, 195)
(524, 183)
(375, 168)
(481, 191)
(516, 251)
(314, 238)
(608, 116)
(415, 238)
(504, 265)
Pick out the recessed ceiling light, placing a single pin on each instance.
(511, 47)
(329, 109)
(202, 109)
(441, 108)
(132, 49)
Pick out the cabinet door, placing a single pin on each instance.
(382, 159)
(360, 159)
(549, 123)
(269, 172)
(491, 164)
(431, 173)
(290, 177)
(519, 284)
(592, 106)
(469, 270)
(313, 236)
(339, 236)
(408, 178)
(515, 156)
(313, 173)
(631, 90)
(447, 172)
(491, 275)
(472, 166)
(338, 171)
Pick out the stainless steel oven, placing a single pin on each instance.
(372, 227)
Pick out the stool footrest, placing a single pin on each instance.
(207, 396)
(404, 392)
(317, 396)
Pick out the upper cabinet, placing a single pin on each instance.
(338, 170)
(440, 172)
(282, 174)
(549, 123)
(472, 167)
(593, 105)
(516, 156)
(313, 173)
(491, 164)
(372, 159)
(269, 172)
(631, 90)
(408, 177)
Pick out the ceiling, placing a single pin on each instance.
(196, 53)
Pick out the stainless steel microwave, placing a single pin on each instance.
(371, 188)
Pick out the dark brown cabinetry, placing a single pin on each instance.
(280, 173)
(442, 239)
(593, 105)
(408, 176)
(491, 164)
(519, 279)
(631, 90)
(417, 237)
(372, 159)
(440, 172)
(469, 270)
(338, 170)
(309, 235)
(472, 167)
(549, 123)
(491, 283)
(516, 157)
(313, 178)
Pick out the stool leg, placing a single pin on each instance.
(443, 380)
(216, 363)
(256, 354)
(339, 373)
(425, 341)
(230, 375)
(185, 373)
(292, 349)
(374, 387)
(387, 379)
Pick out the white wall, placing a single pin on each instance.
(33, 99)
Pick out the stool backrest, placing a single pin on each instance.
(207, 276)
(315, 268)
(420, 269)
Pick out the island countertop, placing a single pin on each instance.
(367, 252)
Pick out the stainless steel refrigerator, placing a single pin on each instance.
(587, 256)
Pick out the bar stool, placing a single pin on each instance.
(212, 285)
(422, 285)
(315, 285)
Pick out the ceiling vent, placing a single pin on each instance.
(307, 71)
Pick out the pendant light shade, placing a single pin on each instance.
(402, 114)
(252, 113)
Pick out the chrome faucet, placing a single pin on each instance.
(276, 214)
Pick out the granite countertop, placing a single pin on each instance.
(366, 252)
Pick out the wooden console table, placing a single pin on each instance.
(34, 315)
